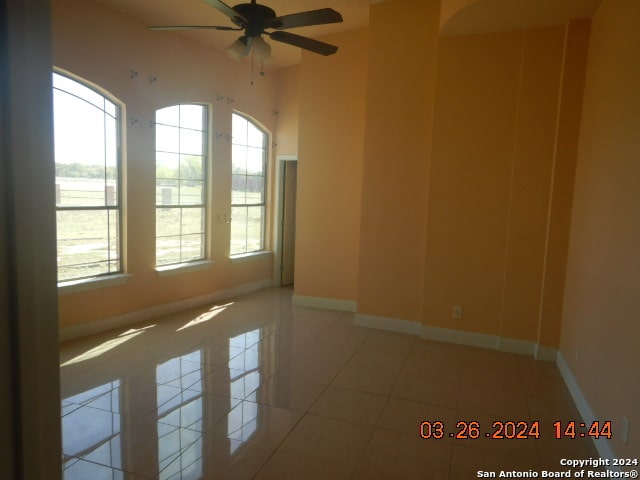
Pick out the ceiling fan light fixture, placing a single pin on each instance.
(236, 50)
(261, 50)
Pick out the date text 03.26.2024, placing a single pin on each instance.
(514, 430)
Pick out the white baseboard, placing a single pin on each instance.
(118, 321)
(461, 337)
(547, 354)
(385, 323)
(601, 444)
(473, 339)
(328, 303)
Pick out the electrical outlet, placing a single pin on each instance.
(624, 431)
(457, 312)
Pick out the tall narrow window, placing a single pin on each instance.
(181, 184)
(87, 158)
(249, 163)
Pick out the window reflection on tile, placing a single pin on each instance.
(179, 425)
(91, 426)
(244, 375)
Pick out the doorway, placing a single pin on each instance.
(286, 229)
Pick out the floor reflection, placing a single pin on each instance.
(180, 417)
(244, 376)
(91, 428)
(151, 422)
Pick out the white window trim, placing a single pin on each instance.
(92, 283)
(245, 257)
(186, 267)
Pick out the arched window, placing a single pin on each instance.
(88, 179)
(181, 184)
(248, 186)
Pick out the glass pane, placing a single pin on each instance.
(167, 165)
(192, 220)
(192, 116)
(86, 243)
(167, 192)
(167, 250)
(192, 247)
(167, 139)
(78, 90)
(239, 159)
(169, 116)
(114, 235)
(192, 167)
(255, 161)
(255, 190)
(255, 136)
(167, 222)
(254, 228)
(191, 192)
(191, 141)
(239, 129)
(238, 230)
(238, 189)
(111, 147)
(110, 108)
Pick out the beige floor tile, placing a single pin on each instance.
(405, 416)
(393, 455)
(254, 387)
(504, 405)
(349, 405)
(285, 465)
(334, 441)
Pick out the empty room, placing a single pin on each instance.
(320, 239)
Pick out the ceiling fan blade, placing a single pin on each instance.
(228, 11)
(192, 27)
(304, 42)
(304, 19)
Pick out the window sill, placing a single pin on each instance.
(187, 267)
(85, 284)
(244, 257)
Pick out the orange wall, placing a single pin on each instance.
(288, 111)
(103, 46)
(400, 97)
(493, 163)
(601, 327)
(332, 105)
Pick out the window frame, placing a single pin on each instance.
(265, 174)
(116, 276)
(203, 262)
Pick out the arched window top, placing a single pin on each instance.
(88, 179)
(248, 131)
(85, 90)
(248, 185)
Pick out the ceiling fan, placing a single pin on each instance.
(255, 19)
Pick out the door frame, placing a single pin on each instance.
(277, 224)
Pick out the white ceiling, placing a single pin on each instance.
(195, 12)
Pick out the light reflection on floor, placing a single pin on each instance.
(260, 388)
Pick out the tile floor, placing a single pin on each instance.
(257, 388)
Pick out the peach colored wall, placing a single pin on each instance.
(332, 106)
(103, 46)
(449, 8)
(288, 111)
(400, 96)
(491, 178)
(559, 215)
(601, 327)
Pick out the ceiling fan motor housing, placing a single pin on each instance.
(257, 18)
